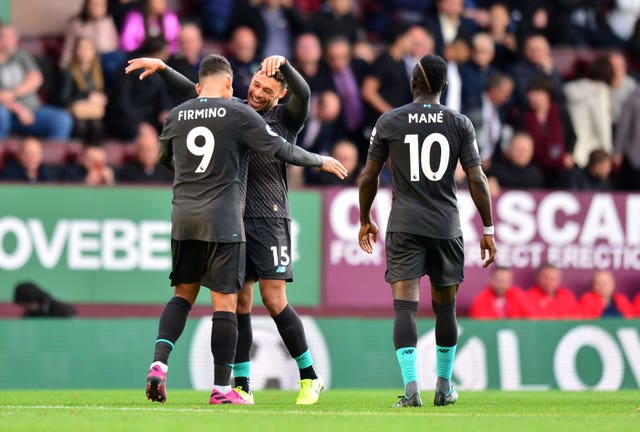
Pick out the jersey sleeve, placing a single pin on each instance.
(179, 85)
(259, 137)
(469, 154)
(378, 146)
(165, 149)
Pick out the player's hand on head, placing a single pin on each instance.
(272, 63)
(332, 165)
(148, 65)
(487, 250)
(368, 233)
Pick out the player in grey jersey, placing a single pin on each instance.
(267, 216)
(425, 141)
(205, 142)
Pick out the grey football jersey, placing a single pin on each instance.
(209, 140)
(424, 142)
(267, 195)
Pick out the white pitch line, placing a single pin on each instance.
(415, 411)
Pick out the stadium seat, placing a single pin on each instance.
(117, 152)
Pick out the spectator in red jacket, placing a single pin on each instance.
(501, 299)
(549, 298)
(636, 304)
(602, 301)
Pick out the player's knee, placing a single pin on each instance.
(274, 295)
(443, 294)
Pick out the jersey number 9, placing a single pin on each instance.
(205, 150)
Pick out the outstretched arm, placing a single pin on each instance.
(368, 190)
(479, 189)
(180, 85)
(298, 104)
(298, 156)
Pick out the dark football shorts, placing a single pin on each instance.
(268, 249)
(411, 256)
(217, 266)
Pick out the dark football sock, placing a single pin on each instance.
(172, 322)
(224, 337)
(292, 333)
(405, 330)
(446, 325)
(241, 366)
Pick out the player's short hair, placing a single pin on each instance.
(278, 76)
(429, 75)
(214, 64)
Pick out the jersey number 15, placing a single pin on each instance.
(422, 158)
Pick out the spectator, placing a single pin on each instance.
(216, 16)
(308, 61)
(516, 171)
(242, 55)
(589, 105)
(626, 146)
(476, 72)
(187, 59)
(82, 91)
(387, 84)
(364, 50)
(135, 101)
(152, 19)
(119, 10)
(37, 303)
(320, 131)
(622, 84)
(20, 108)
(623, 18)
(276, 24)
(549, 299)
(596, 176)
(449, 23)
(532, 17)
(92, 170)
(505, 42)
(95, 23)
(28, 167)
(347, 74)
(336, 19)
(345, 152)
(422, 44)
(602, 301)
(636, 304)
(537, 62)
(145, 167)
(456, 54)
(490, 119)
(500, 299)
(546, 123)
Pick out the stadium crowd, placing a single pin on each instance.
(539, 124)
(550, 86)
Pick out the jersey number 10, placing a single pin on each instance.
(422, 158)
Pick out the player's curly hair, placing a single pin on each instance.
(429, 75)
(214, 64)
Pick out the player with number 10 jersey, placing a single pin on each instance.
(424, 141)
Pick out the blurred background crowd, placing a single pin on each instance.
(549, 85)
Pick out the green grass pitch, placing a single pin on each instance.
(338, 410)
